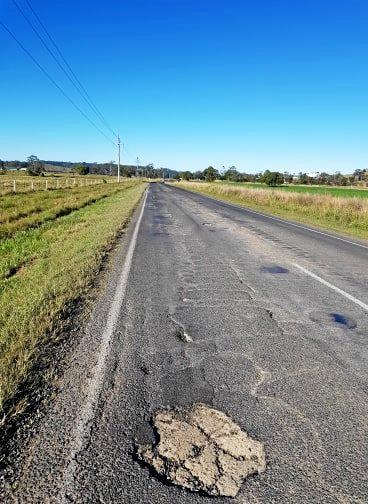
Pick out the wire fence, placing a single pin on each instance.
(9, 186)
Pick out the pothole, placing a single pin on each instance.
(273, 269)
(336, 318)
(343, 320)
(184, 336)
(159, 233)
(203, 450)
(181, 333)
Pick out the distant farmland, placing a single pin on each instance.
(346, 192)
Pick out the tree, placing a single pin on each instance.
(287, 177)
(126, 172)
(303, 178)
(185, 175)
(358, 175)
(232, 174)
(82, 169)
(264, 176)
(210, 174)
(34, 165)
(198, 175)
(273, 179)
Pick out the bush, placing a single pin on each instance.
(82, 169)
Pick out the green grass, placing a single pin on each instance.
(44, 269)
(22, 211)
(341, 214)
(345, 192)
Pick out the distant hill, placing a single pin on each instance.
(106, 169)
(109, 169)
(55, 168)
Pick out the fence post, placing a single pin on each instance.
(32, 186)
(57, 184)
(46, 184)
(14, 186)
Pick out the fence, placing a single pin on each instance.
(22, 185)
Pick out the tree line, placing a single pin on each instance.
(275, 178)
(37, 167)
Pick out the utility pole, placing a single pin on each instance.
(118, 158)
(137, 171)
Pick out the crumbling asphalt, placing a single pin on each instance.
(215, 312)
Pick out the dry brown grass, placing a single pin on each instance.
(349, 215)
(25, 183)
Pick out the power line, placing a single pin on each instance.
(46, 73)
(82, 94)
(88, 97)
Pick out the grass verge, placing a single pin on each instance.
(64, 256)
(344, 215)
(22, 211)
(340, 192)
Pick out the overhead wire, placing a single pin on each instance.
(52, 80)
(77, 80)
(76, 86)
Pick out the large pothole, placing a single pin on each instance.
(202, 449)
(339, 319)
(274, 270)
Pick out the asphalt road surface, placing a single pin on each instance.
(206, 302)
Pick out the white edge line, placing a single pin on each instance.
(333, 287)
(95, 384)
(284, 221)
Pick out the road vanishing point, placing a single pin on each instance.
(207, 303)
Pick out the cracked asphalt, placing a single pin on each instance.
(215, 311)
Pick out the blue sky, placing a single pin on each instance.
(268, 84)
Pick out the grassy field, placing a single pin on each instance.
(20, 182)
(22, 211)
(345, 192)
(51, 248)
(341, 214)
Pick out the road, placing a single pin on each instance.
(256, 317)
